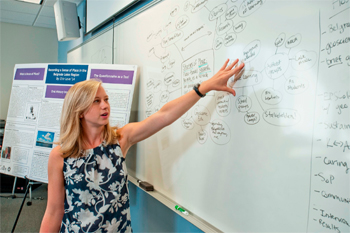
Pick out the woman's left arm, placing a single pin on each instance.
(173, 110)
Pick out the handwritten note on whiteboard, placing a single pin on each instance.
(330, 165)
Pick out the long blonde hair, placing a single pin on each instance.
(78, 101)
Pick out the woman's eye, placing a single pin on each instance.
(106, 100)
(96, 101)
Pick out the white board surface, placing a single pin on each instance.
(98, 50)
(275, 158)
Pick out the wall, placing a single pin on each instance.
(147, 213)
(22, 44)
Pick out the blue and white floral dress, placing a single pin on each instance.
(97, 197)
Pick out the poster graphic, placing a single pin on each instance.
(45, 139)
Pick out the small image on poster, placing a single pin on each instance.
(6, 153)
(32, 111)
(45, 139)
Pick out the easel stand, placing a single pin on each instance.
(14, 188)
(13, 195)
(29, 203)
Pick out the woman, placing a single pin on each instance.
(87, 189)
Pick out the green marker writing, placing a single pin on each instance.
(181, 210)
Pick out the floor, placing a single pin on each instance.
(30, 217)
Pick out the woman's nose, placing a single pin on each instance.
(104, 104)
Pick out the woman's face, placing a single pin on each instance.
(98, 113)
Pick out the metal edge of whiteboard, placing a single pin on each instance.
(192, 218)
(142, 9)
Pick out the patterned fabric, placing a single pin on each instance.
(97, 197)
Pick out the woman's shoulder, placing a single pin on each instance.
(56, 158)
(56, 152)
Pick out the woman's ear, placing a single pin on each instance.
(81, 116)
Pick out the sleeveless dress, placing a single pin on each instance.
(97, 197)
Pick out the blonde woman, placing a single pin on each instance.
(87, 190)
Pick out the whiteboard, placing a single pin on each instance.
(271, 159)
(98, 50)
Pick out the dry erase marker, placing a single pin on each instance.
(181, 210)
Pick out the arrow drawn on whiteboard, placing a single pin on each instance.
(258, 99)
(207, 34)
(179, 51)
(152, 52)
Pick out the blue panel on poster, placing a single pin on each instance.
(66, 74)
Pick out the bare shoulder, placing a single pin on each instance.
(56, 151)
(56, 158)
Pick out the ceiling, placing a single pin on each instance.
(18, 12)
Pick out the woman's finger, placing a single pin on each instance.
(232, 65)
(237, 75)
(238, 68)
(230, 90)
(225, 64)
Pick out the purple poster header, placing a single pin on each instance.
(113, 76)
(30, 74)
(57, 92)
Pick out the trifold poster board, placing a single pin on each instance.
(33, 119)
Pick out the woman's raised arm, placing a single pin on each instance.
(170, 112)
